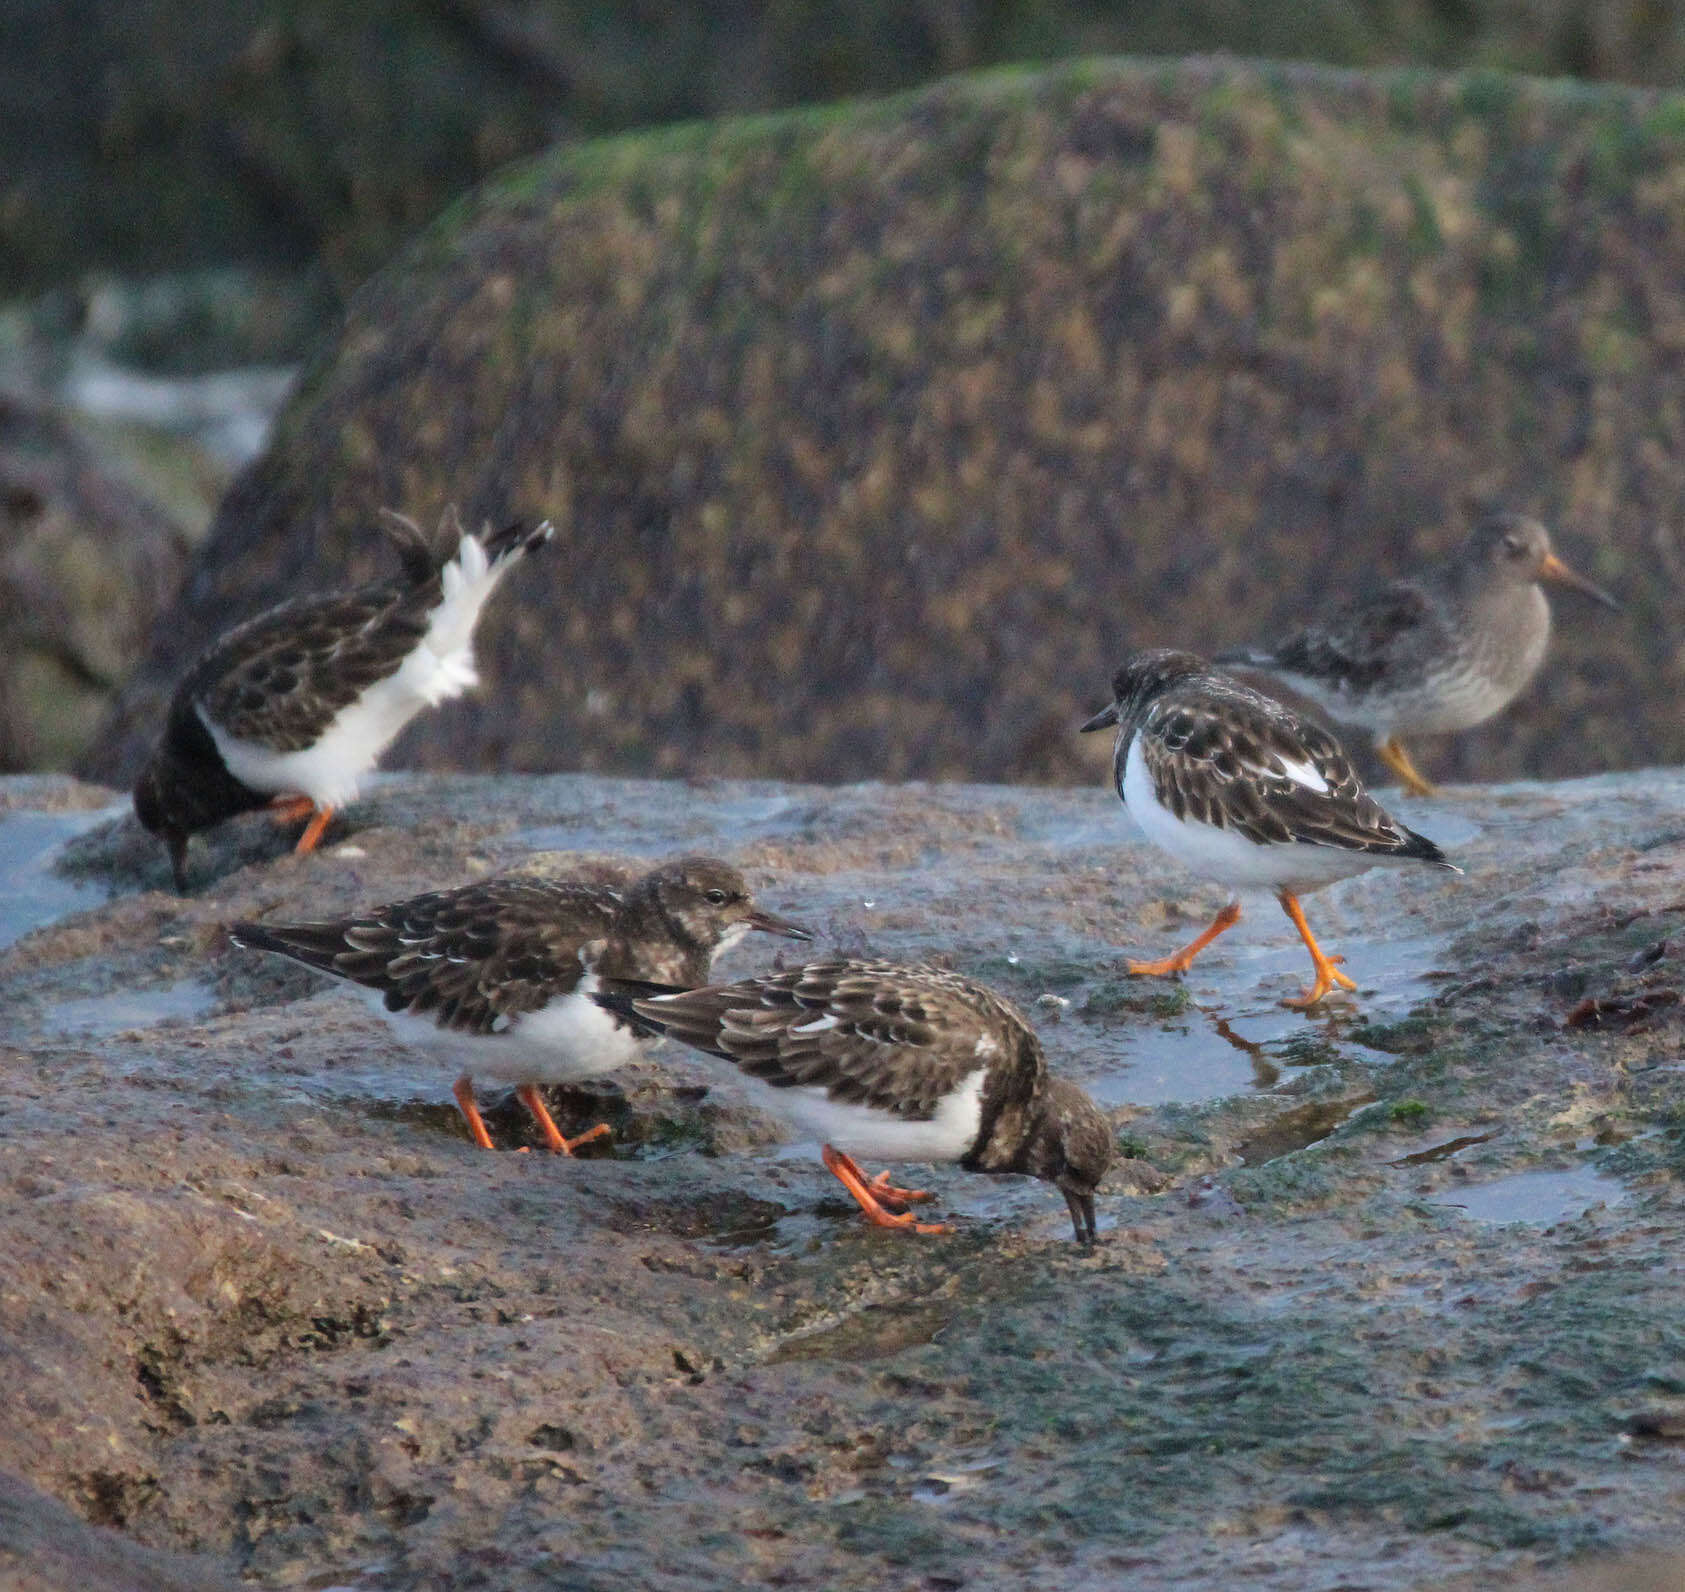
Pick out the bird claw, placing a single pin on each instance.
(1327, 978)
(568, 1146)
(1164, 967)
(906, 1224)
(887, 1193)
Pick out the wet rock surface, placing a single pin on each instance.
(46, 1547)
(1387, 1295)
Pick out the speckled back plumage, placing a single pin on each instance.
(278, 679)
(1439, 651)
(899, 1039)
(472, 958)
(478, 956)
(1359, 645)
(276, 683)
(1217, 753)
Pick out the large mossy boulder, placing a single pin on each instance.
(876, 433)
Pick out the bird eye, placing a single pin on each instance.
(716, 898)
(1513, 546)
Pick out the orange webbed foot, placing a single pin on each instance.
(528, 1095)
(1180, 961)
(887, 1193)
(867, 1195)
(1164, 967)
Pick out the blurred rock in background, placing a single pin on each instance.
(318, 134)
(112, 458)
(189, 191)
(876, 433)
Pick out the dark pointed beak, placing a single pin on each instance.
(1103, 720)
(1082, 1215)
(177, 843)
(771, 923)
(1559, 574)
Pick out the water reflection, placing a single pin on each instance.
(32, 895)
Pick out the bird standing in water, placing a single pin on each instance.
(1239, 788)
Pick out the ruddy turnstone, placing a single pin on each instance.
(896, 1064)
(1440, 653)
(292, 708)
(1241, 789)
(496, 977)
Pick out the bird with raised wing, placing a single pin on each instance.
(291, 709)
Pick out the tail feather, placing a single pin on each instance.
(314, 944)
(418, 553)
(692, 1016)
(424, 555)
(466, 583)
(516, 538)
(621, 996)
(1420, 849)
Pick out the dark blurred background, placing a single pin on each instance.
(311, 138)
(190, 191)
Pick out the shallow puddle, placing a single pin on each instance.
(723, 820)
(124, 1010)
(31, 893)
(1298, 1127)
(1221, 1031)
(1132, 1041)
(1538, 1198)
(1234, 1036)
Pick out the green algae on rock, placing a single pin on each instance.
(270, 1304)
(874, 432)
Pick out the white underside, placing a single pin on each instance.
(1231, 858)
(440, 667)
(570, 1039)
(872, 1135)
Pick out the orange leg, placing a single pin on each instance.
(291, 809)
(882, 1190)
(313, 832)
(842, 1167)
(527, 1094)
(463, 1089)
(1327, 973)
(1182, 960)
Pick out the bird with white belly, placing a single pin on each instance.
(1242, 790)
(291, 709)
(495, 978)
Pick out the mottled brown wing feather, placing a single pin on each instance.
(1358, 645)
(897, 1038)
(1218, 759)
(279, 679)
(472, 958)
